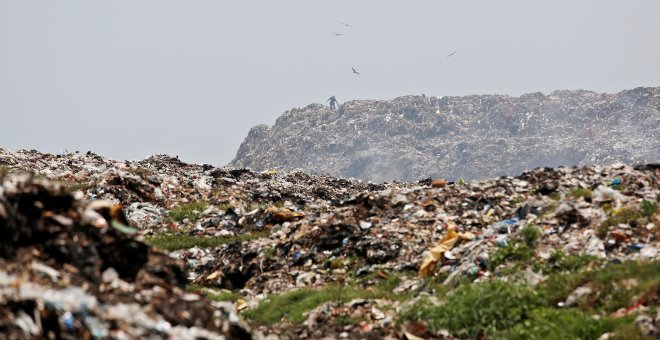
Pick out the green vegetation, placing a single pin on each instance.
(509, 310)
(626, 215)
(546, 323)
(268, 253)
(648, 208)
(214, 294)
(618, 285)
(514, 251)
(580, 192)
(517, 200)
(293, 306)
(530, 235)
(602, 231)
(191, 211)
(471, 309)
(560, 262)
(172, 242)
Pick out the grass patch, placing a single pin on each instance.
(213, 294)
(508, 310)
(514, 251)
(580, 192)
(474, 310)
(172, 242)
(615, 286)
(546, 323)
(294, 306)
(623, 215)
(530, 235)
(517, 200)
(190, 211)
(648, 208)
(560, 262)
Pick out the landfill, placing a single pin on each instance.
(451, 137)
(99, 248)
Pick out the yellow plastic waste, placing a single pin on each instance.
(241, 304)
(213, 275)
(283, 214)
(435, 254)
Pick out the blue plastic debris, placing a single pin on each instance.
(636, 246)
(68, 320)
(504, 226)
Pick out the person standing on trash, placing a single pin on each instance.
(333, 103)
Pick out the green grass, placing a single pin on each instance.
(473, 310)
(609, 282)
(191, 211)
(172, 242)
(560, 262)
(517, 200)
(648, 208)
(530, 235)
(509, 310)
(626, 216)
(293, 306)
(214, 294)
(514, 251)
(547, 323)
(580, 192)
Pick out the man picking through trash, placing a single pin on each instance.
(333, 103)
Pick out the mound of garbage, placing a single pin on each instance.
(74, 270)
(564, 252)
(470, 137)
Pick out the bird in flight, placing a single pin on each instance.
(337, 34)
(347, 25)
(354, 71)
(452, 53)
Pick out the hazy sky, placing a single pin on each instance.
(127, 79)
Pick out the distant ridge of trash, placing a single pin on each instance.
(469, 137)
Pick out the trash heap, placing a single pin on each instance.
(299, 256)
(73, 270)
(470, 137)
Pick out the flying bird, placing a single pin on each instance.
(347, 25)
(452, 53)
(337, 34)
(354, 71)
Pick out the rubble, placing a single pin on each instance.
(470, 137)
(352, 251)
(66, 278)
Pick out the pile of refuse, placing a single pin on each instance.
(74, 270)
(469, 137)
(91, 241)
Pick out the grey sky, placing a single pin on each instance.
(127, 79)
